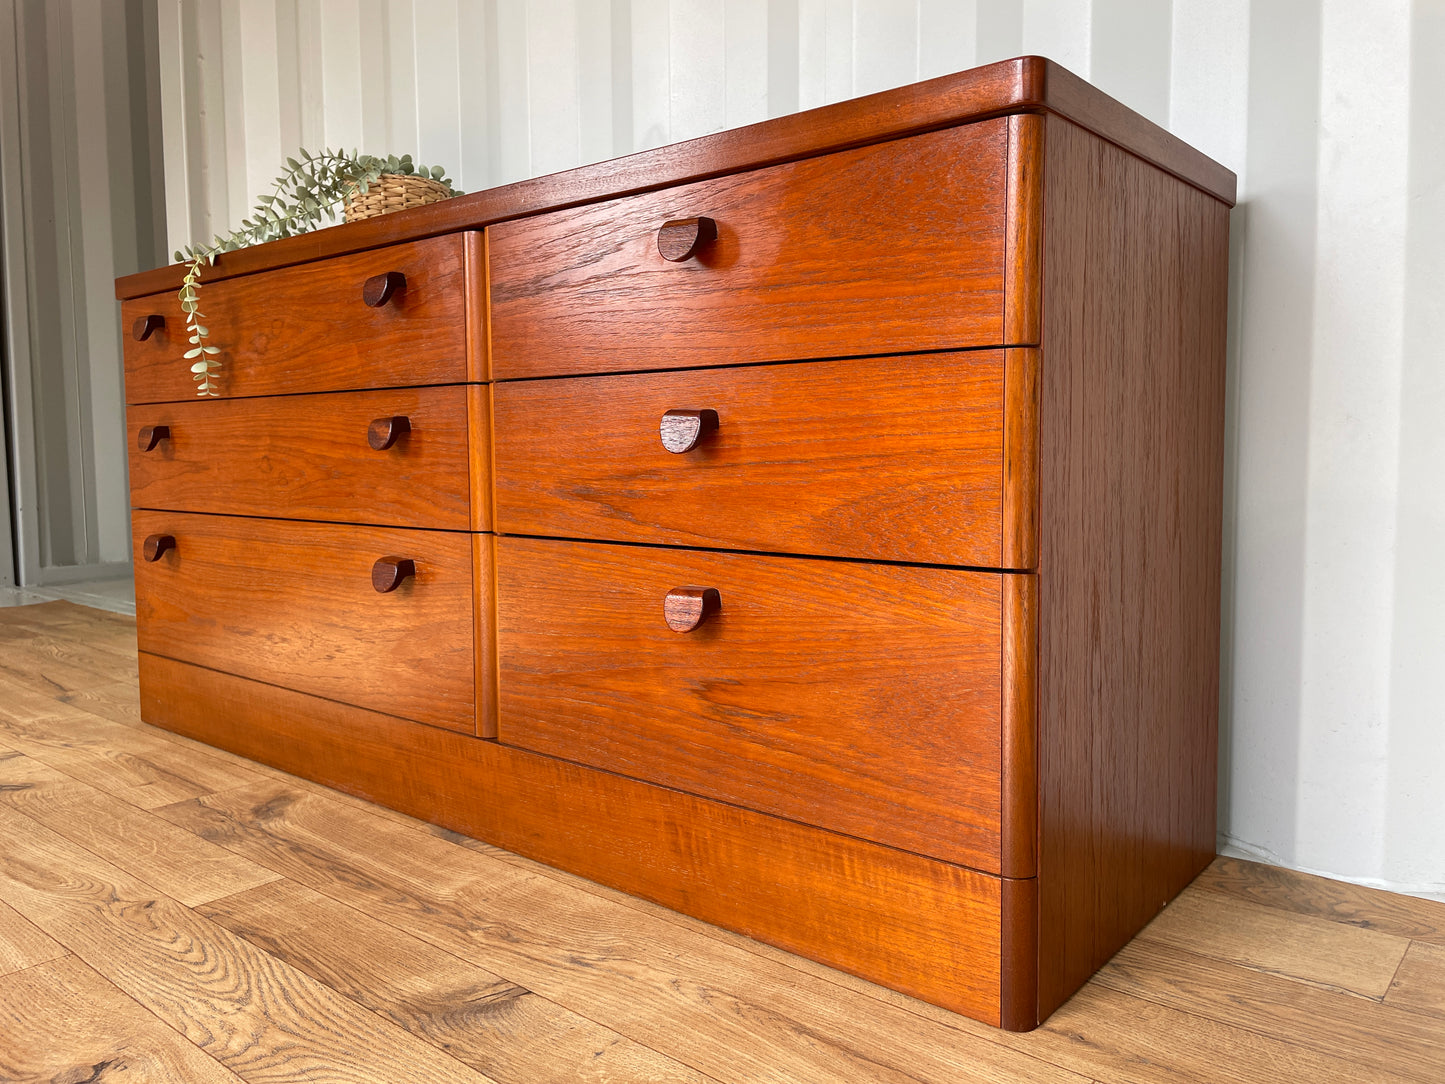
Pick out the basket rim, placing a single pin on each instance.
(395, 180)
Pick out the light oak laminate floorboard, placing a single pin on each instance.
(1305, 894)
(136, 763)
(61, 1023)
(22, 944)
(477, 1017)
(262, 1019)
(1420, 984)
(170, 859)
(1301, 947)
(318, 937)
(1362, 1035)
(110, 655)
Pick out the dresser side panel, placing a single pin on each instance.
(1131, 465)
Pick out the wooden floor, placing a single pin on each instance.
(169, 912)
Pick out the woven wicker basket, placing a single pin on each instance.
(393, 192)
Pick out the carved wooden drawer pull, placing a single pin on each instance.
(682, 430)
(151, 435)
(156, 545)
(685, 237)
(388, 572)
(379, 289)
(143, 328)
(382, 433)
(685, 608)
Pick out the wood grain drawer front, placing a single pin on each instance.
(294, 604)
(308, 328)
(889, 458)
(316, 457)
(860, 698)
(884, 249)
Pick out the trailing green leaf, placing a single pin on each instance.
(314, 185)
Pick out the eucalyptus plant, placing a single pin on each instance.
(311, 186)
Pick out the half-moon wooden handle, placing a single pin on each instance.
(382, 433)
(156, 545)
(151, 435)
(388, 572)
(379, 289)
(682, 430)
(685, 237)
(143, 328)
(685, 608)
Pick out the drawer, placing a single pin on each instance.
(860, 698)
(293, 604)
(884, 249)
(886, 458)
(307, 328)
(311, 457)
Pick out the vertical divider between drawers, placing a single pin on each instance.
(484, 600)
(481, 438)
(478, 289)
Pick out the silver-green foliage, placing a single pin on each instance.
(311, 187)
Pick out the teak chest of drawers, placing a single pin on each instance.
(814, 527)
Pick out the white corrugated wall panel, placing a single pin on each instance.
(1352, 458)
(75, 189)
(1415, 799)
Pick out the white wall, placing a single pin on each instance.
(1329, 111)
(76, 194)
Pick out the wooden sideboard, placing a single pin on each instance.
(813, 527)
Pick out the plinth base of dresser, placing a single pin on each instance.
(952, 936)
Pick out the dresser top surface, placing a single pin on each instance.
(1027, 84)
